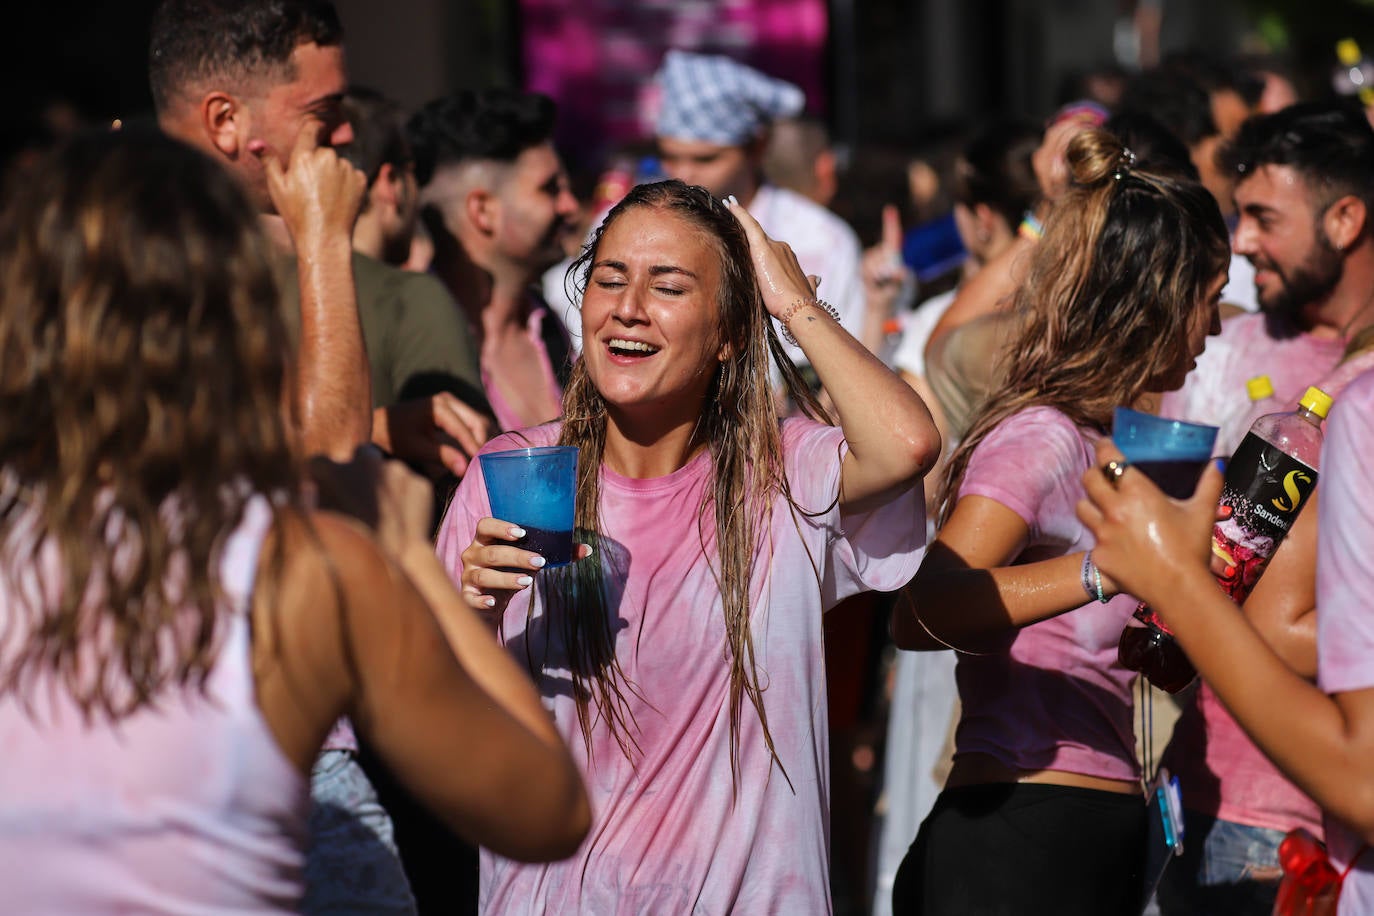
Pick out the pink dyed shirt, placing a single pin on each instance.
(1221, 772)
(1345, 582)
(1052, 696)
(670, 835)
(506, 416)
(186, 807)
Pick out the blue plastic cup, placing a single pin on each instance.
(535, 489)
(1169, 452)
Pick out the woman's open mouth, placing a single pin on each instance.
(630, 349)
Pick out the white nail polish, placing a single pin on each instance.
(517, 532)
(489, 602)
(524, 580)
(734, 200)
(538, 562)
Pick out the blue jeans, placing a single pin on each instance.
(1226, 868)
(352, 865)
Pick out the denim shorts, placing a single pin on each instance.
(352, 865)
(1226, 868)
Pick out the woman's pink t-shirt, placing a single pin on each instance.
(674, 832)
(1345, 594)
(1050, 696)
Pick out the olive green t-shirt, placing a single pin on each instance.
(417, 338)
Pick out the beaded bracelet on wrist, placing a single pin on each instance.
(786, 317)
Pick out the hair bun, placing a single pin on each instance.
(1096, 156)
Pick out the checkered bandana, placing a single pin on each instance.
(716, 100)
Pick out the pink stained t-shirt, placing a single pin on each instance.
(1345, 582)
(1051, 695)
(186, 807)
(670, 834)
(506, 416)
(1221, 772)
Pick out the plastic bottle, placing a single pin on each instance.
(1268, 481)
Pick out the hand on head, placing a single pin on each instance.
(317, 192)
(781, 278)
(1148, 543)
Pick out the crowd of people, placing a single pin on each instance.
(264, 647)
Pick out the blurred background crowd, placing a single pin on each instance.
(919, 127)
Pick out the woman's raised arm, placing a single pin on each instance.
(892, 439)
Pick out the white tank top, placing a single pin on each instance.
(190, 807)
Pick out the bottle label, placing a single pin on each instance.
(1265, 488)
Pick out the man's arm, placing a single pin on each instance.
(318, 194)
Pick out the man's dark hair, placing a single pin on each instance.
(379, 132)
(493, 124)
(1174, 99)
(994, 168)
(1330, 144)
(195, 40)
(1215, 74)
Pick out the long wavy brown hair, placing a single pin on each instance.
(739, 424)
(1127, 257)
(142, 363)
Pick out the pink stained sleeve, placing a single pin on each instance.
(1023, 461)
(1345, 544)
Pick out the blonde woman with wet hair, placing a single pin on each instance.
(683, 658)
(1042, 810)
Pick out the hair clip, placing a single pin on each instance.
(1124, 164)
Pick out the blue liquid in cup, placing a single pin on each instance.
(1171, 453)
(534, 488)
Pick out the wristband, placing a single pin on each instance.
(1031, 227)
(1092, 580)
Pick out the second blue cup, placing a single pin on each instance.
(1172, 453)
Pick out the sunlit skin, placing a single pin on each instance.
(1278, 233)
(650, 320)
(538, 210)
(276, 117)
(722, 170)
(1204, 322)
(520, 223)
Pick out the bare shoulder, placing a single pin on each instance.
(319, 573)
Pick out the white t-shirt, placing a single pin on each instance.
(824, 245)
(910, 355)
(669, 833)
(1240, 284)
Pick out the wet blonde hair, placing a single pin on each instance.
(739, 425)
(1127, 257)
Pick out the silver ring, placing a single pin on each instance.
(1113, 471)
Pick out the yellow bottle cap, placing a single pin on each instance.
(1317, 401)
(1259, 388)
(1348, 52)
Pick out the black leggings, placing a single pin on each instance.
(1025, 849)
